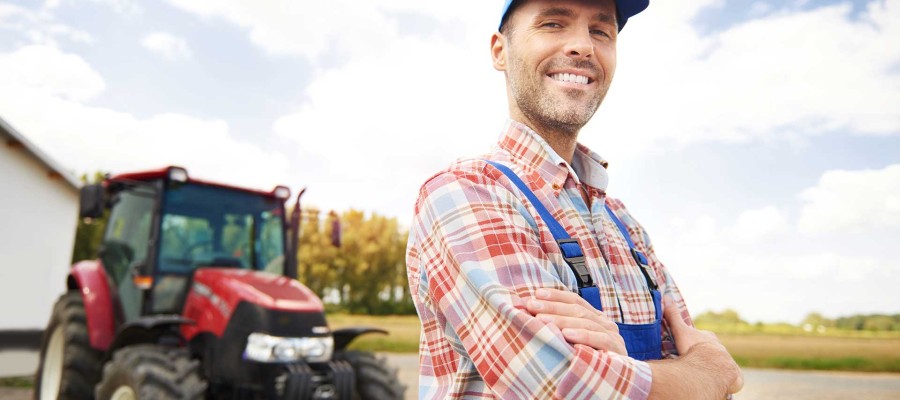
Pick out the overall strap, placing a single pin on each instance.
(569, 247)
(638, 256)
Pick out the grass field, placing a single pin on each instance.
(812, 352)
(403, 331)
(759, 347)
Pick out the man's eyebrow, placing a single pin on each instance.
(565, 12)
(604, 17)
(555, 12)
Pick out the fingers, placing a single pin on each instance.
(672, 315)
(559, 308)
(597, 340)
(564, 322)
(564, 302)
(738, 383)
(568, 310)
(562, 296)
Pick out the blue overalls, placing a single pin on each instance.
(643, 341)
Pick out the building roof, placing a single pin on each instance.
(13, 138)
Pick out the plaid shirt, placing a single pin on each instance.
(478, 251)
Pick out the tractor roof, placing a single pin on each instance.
(163, 173)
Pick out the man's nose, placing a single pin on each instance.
(580, 44)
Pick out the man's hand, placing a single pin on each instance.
(705, 370)
(686, 337)
(579, 322)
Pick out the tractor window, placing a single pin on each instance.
(183, 237)
(128, 232)
(208, 226)
(270, 250)
(126, 241)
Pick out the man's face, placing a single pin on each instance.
(559, 58)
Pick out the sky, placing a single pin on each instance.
(758, 142)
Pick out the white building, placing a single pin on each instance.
(38, 218)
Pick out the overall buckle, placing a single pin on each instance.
(644, 266)
(573, 255)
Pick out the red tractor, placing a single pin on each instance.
(195, 295)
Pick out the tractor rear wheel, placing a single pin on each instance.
(69, 367)
(147, 371)
(374, 378)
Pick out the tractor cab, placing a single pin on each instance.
(163, 226)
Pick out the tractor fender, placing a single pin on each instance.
(343, 336)
(89, 278)
(153, 329)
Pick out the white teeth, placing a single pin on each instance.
(570, 78)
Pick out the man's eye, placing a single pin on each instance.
(598, 32)
(551, 25)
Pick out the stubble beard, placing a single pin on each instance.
(536, 101)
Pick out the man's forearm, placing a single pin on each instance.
(705, 372)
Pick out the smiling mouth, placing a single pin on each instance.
(571, 78)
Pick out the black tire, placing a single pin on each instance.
(152, 372)
(375, 380)
(74, 376)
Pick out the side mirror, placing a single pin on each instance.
(91, 201)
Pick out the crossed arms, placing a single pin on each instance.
(475, 266)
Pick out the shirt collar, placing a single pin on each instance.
(528, 147)
(590, 167)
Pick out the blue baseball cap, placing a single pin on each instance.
(624, 9)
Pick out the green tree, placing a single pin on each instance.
(367, 273)
(816, 319)
(727, 317)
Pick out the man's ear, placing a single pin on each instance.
(498, 51)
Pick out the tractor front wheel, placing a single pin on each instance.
(143, 372)
(374, 378)
(69, 367)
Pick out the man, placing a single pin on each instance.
(509, 302)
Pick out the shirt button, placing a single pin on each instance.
(556, 186)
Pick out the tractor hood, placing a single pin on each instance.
(232, 303)
(226, 287)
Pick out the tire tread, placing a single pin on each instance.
(81, 363)
(154, 372)
(375, 379)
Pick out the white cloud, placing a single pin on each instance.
(122, 6)
(854, 201)
(119, 6)
(789, 74)
(348, 27)
(167, 45)
(44, 103)
(39, 26)
(377, 144)
(759, 224)
(49, 71)
(9, 11)
(297, 28)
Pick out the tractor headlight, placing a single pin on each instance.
(273, 349)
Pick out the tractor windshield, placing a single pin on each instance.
(218, 227)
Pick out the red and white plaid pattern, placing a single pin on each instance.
(477, 251)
